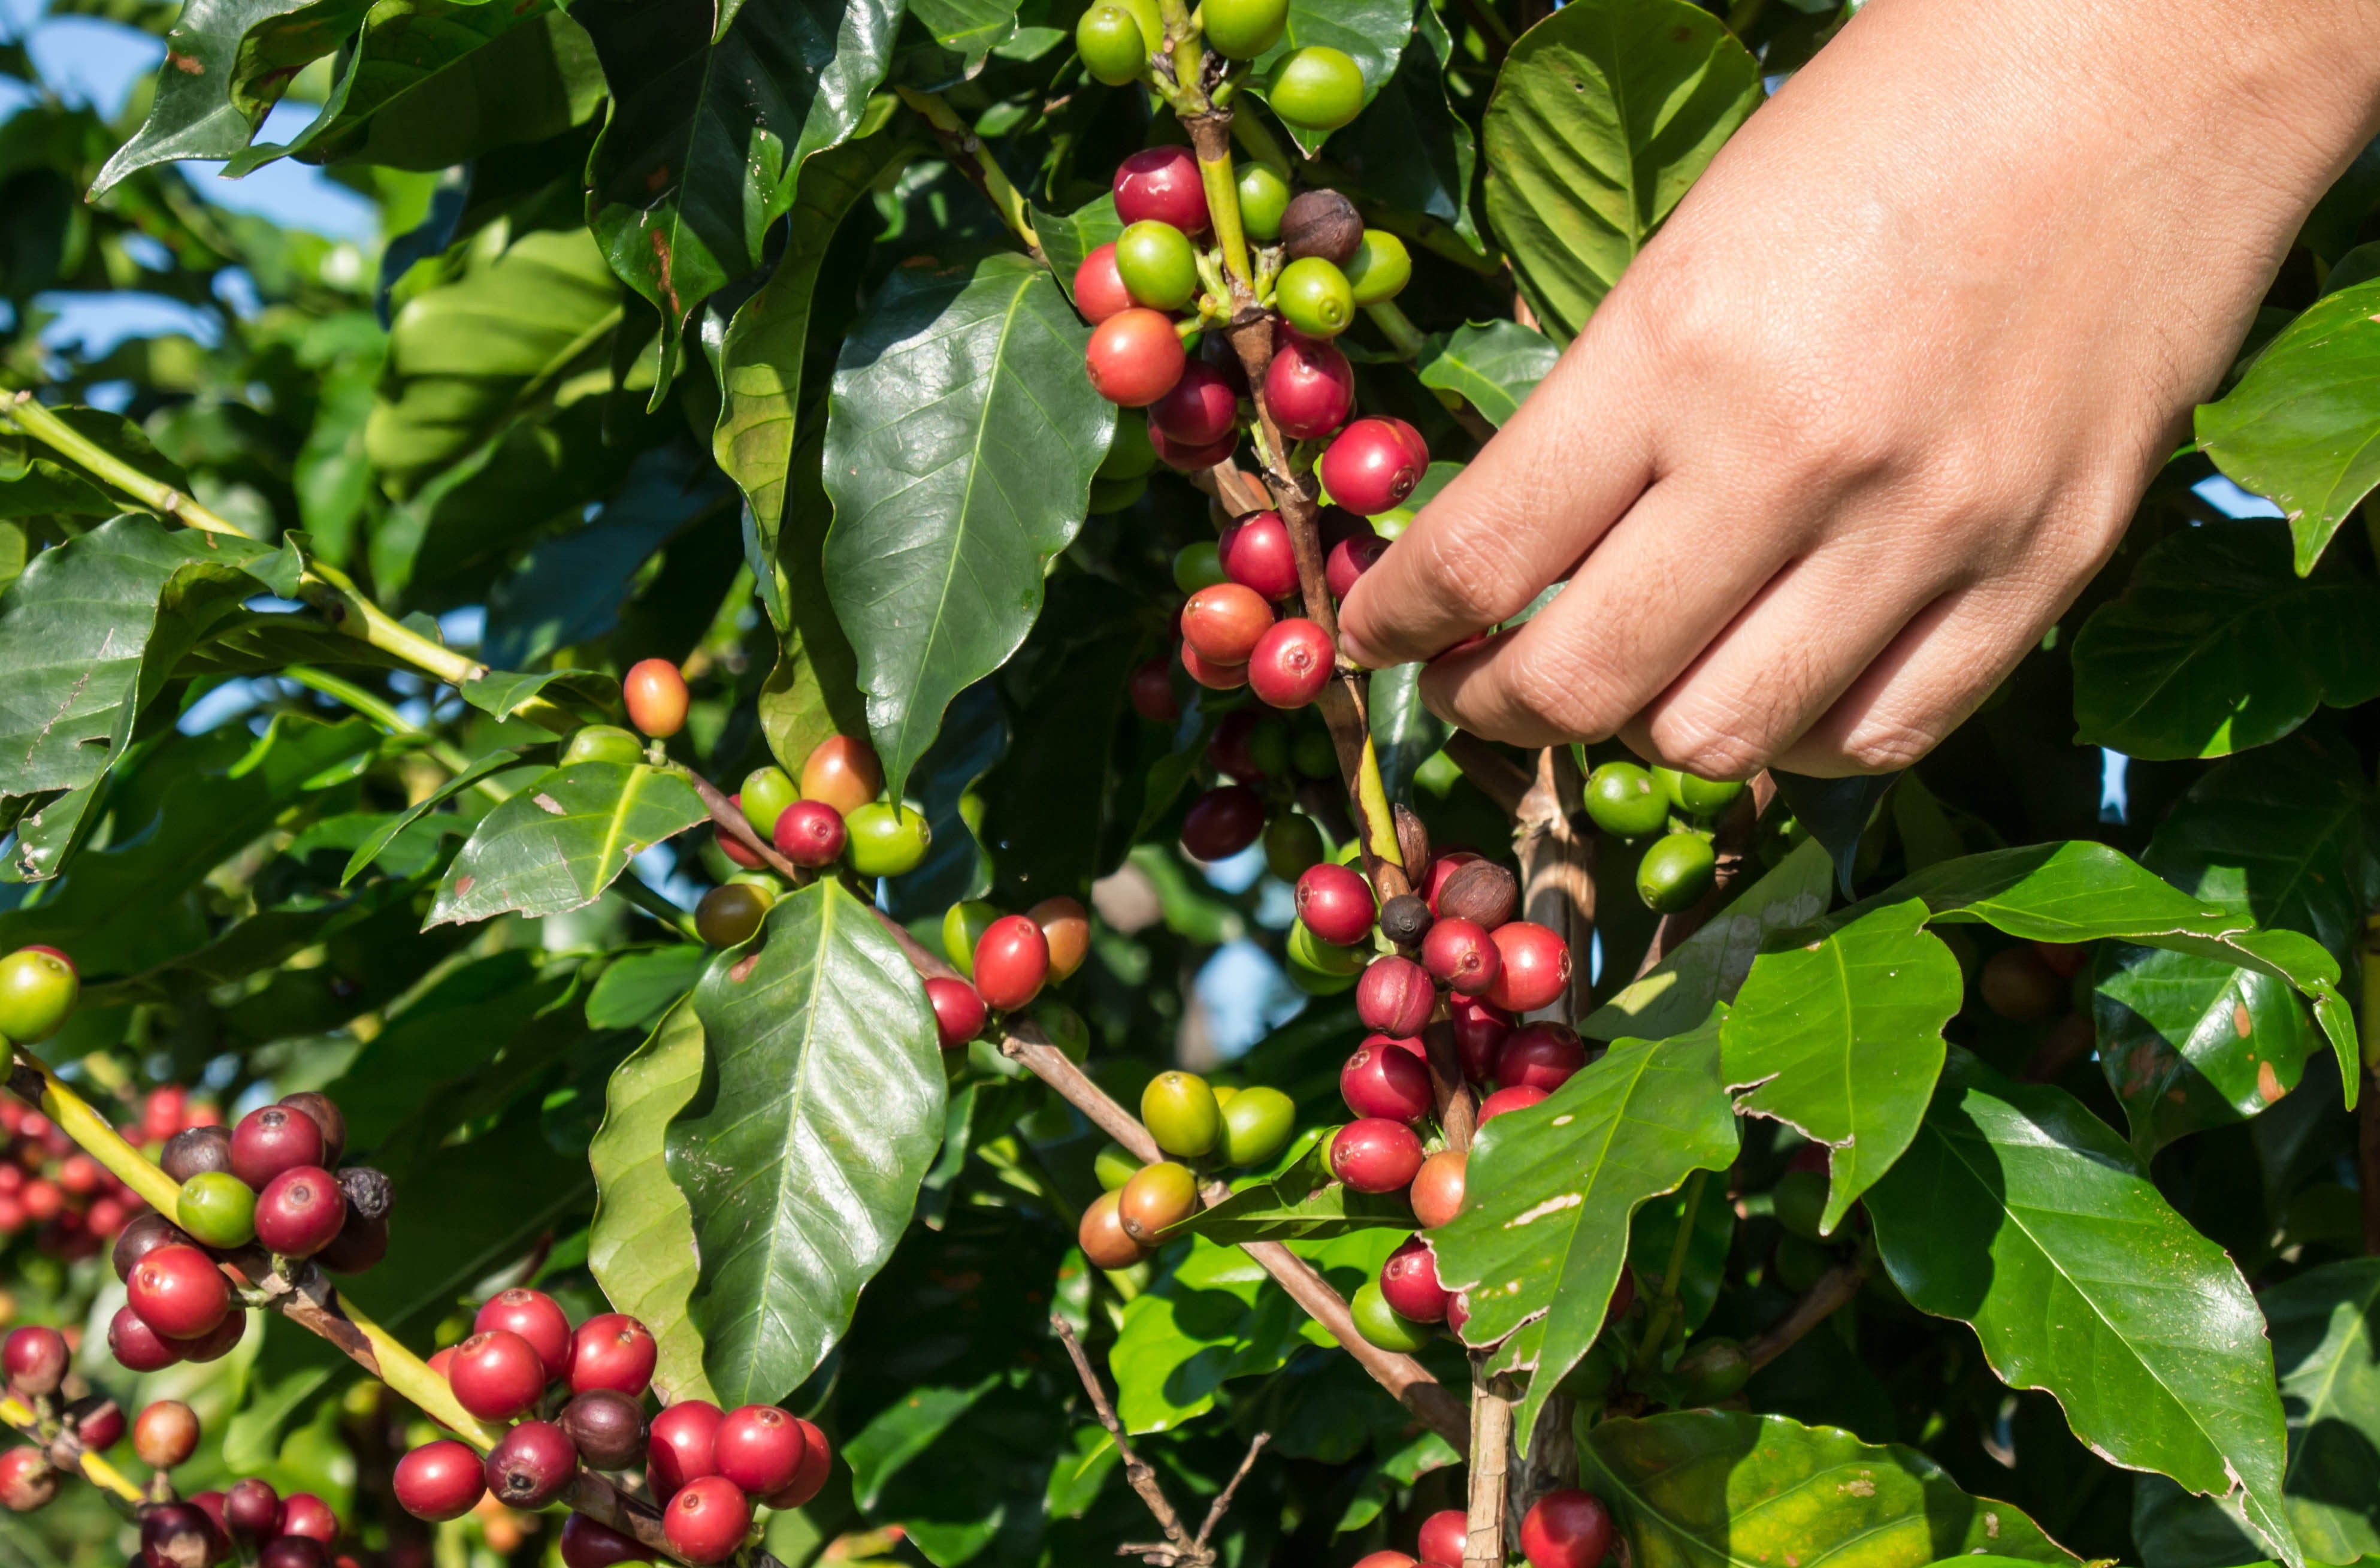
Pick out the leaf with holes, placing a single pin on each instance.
(803, 1168)
(2019, 1213)
(565, 837)
(960, 446)
(1603, 114)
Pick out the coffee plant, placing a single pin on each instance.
(691, 875)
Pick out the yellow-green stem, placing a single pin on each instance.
(94, 1468)
(984, 169)
(1224, 212)
(409, 1376)
(100, 1140)
(54, 433)
(372, 706)
(1397, 327)
(1258, 142)
(1656, 1322)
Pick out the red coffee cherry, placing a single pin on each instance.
(1539, 1056)
(1443, 1536)
(842, 772)
(531, 1464)
(1135, 356)
(1480, 1030)
(496, 1374)
(1460, 953)
(758, 1447)
(96, 1419)
(1394, 996)
(144, 1234)
(1438, 1188)
(178, 1292)
(1101, 1234)
(607, 1426)
(1309, 387)
(1186, 459)
(1374, 464)
(165, 1434)
(271, 1140)
(1505, 1100)
(735, 848)
(1224, 621)
(1200, 410)
(680, 1448)
(1336, 904)
(300, 1212)
(136, 1346)
(1152, 694)
(535, 1317)
(1375, 1155)
(1566, 1530)
(36, 1360)
(613, 1351)
(303, 1513)
(1409, 1281)
(1256, 553)
(706, 1520)
(1012, 961)
(1412, 1048)
(817, 1458)
(1291, 664)
(252, 1511)
(328, 1117)
(294, 1551)
(1385, 1081)
(1385, 1560)
(1221, 822)
(217, 1342)
(1536, 966)
(585, 1544)
(1350, 559)
(959, 1011)
(440, 1480)
(1098, 286)
(1232, 746)
(1161, 185)
(27, 1482)
(809, 833)
(1213, 676)
(656, 697)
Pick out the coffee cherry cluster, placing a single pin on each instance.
(1207, 1128)
(74, 1203)
(1259, 761)
(1567, 1529)
(249, 1523)
(1006, 960)
(273, 1181)
(1675, 809)
(1315, 89)
(66, 1422)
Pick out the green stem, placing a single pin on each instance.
(1656, 1322)
(960, 140)
(641, 893)
(1256, 140)
(1224, 211)
(378, 709)
(94, 1466)
(1396, 326)
(47, 428)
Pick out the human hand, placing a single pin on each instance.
(1881, 397)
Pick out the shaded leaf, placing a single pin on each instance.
(640, 1247)
(1710, 964)
(2189, 1043)
(960, 446)
(562, 839)
(2217, 646)
(1067, 237)
(1303, 1203)
(2019, 1213)
(1544, 1226)
(1603, 114)
(1406, 733)
(1836, 811)
(591, 694)
(2325, 1326)
(803, 1168)
(1409, 150)
(974, 738)
(1493, 366)
(1720, 1489)
(379, 839)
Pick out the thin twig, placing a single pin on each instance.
(1231, 1487)
(1136, 1469)
(1500, 779)
(1835, 1290)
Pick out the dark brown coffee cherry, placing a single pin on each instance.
(1404, 919)
(1324, 224)
(144, 1234)
(607, 1426)
(1412, 839)
(1481, 891)
(195, 1151)
(327, 1116)
(368, 1192)
(360, 1244)
(531, 1465)
(177, 1535)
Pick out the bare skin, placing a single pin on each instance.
(1881, 397)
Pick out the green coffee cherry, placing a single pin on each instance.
(1676, 872)
(1181, 1115)
(1313, 297)
(1317, 89)
(1242, 29)
(1198, 566)
(1269, 745)
(1697, 798)
(1159, 267)
(1264, 197)
(1114, 1165)
(1713, 1369)
(767, 792)
(1383, 1325)
(1064, 1026)
(1380, 268)
(1313, 755)
(1623, 799)
(886, 840)
(1257, 1124)
(1112, 46)
(1130, 456)
(1310, 952)
(1798, 1264)
(602, 743)
(218, 1208)
(1800, 1198)
(963, 925)
(1292, 846)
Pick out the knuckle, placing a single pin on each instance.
(1469, 576)
(1885, 750)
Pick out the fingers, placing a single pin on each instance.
(1665, 580)
(1535, 499)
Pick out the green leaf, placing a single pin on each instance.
(2019, 1213)
(1653, 1235)
(641, 1246)
(90, 631)
(1721, 1488)
(1841, 1041)
(955, 867)
(1303, 1203)
(968, 29)
(1413, 153)
(369, 849)
(35, 484)
(1603, 114)
(802, 1170)
(1406, 733)
(591, 694)
(1544, 1226)
(199, 110)
(2302, 428)
(2325, 1326)
(707, 139)
(562, 839)
(1710, 964)
(1836, 811)
(1067, 237)
(1493, 366)
(464, 359)
(960, 446)
(635, 989)
(466, 1018)
(2189, 1043)
(2217, 646)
